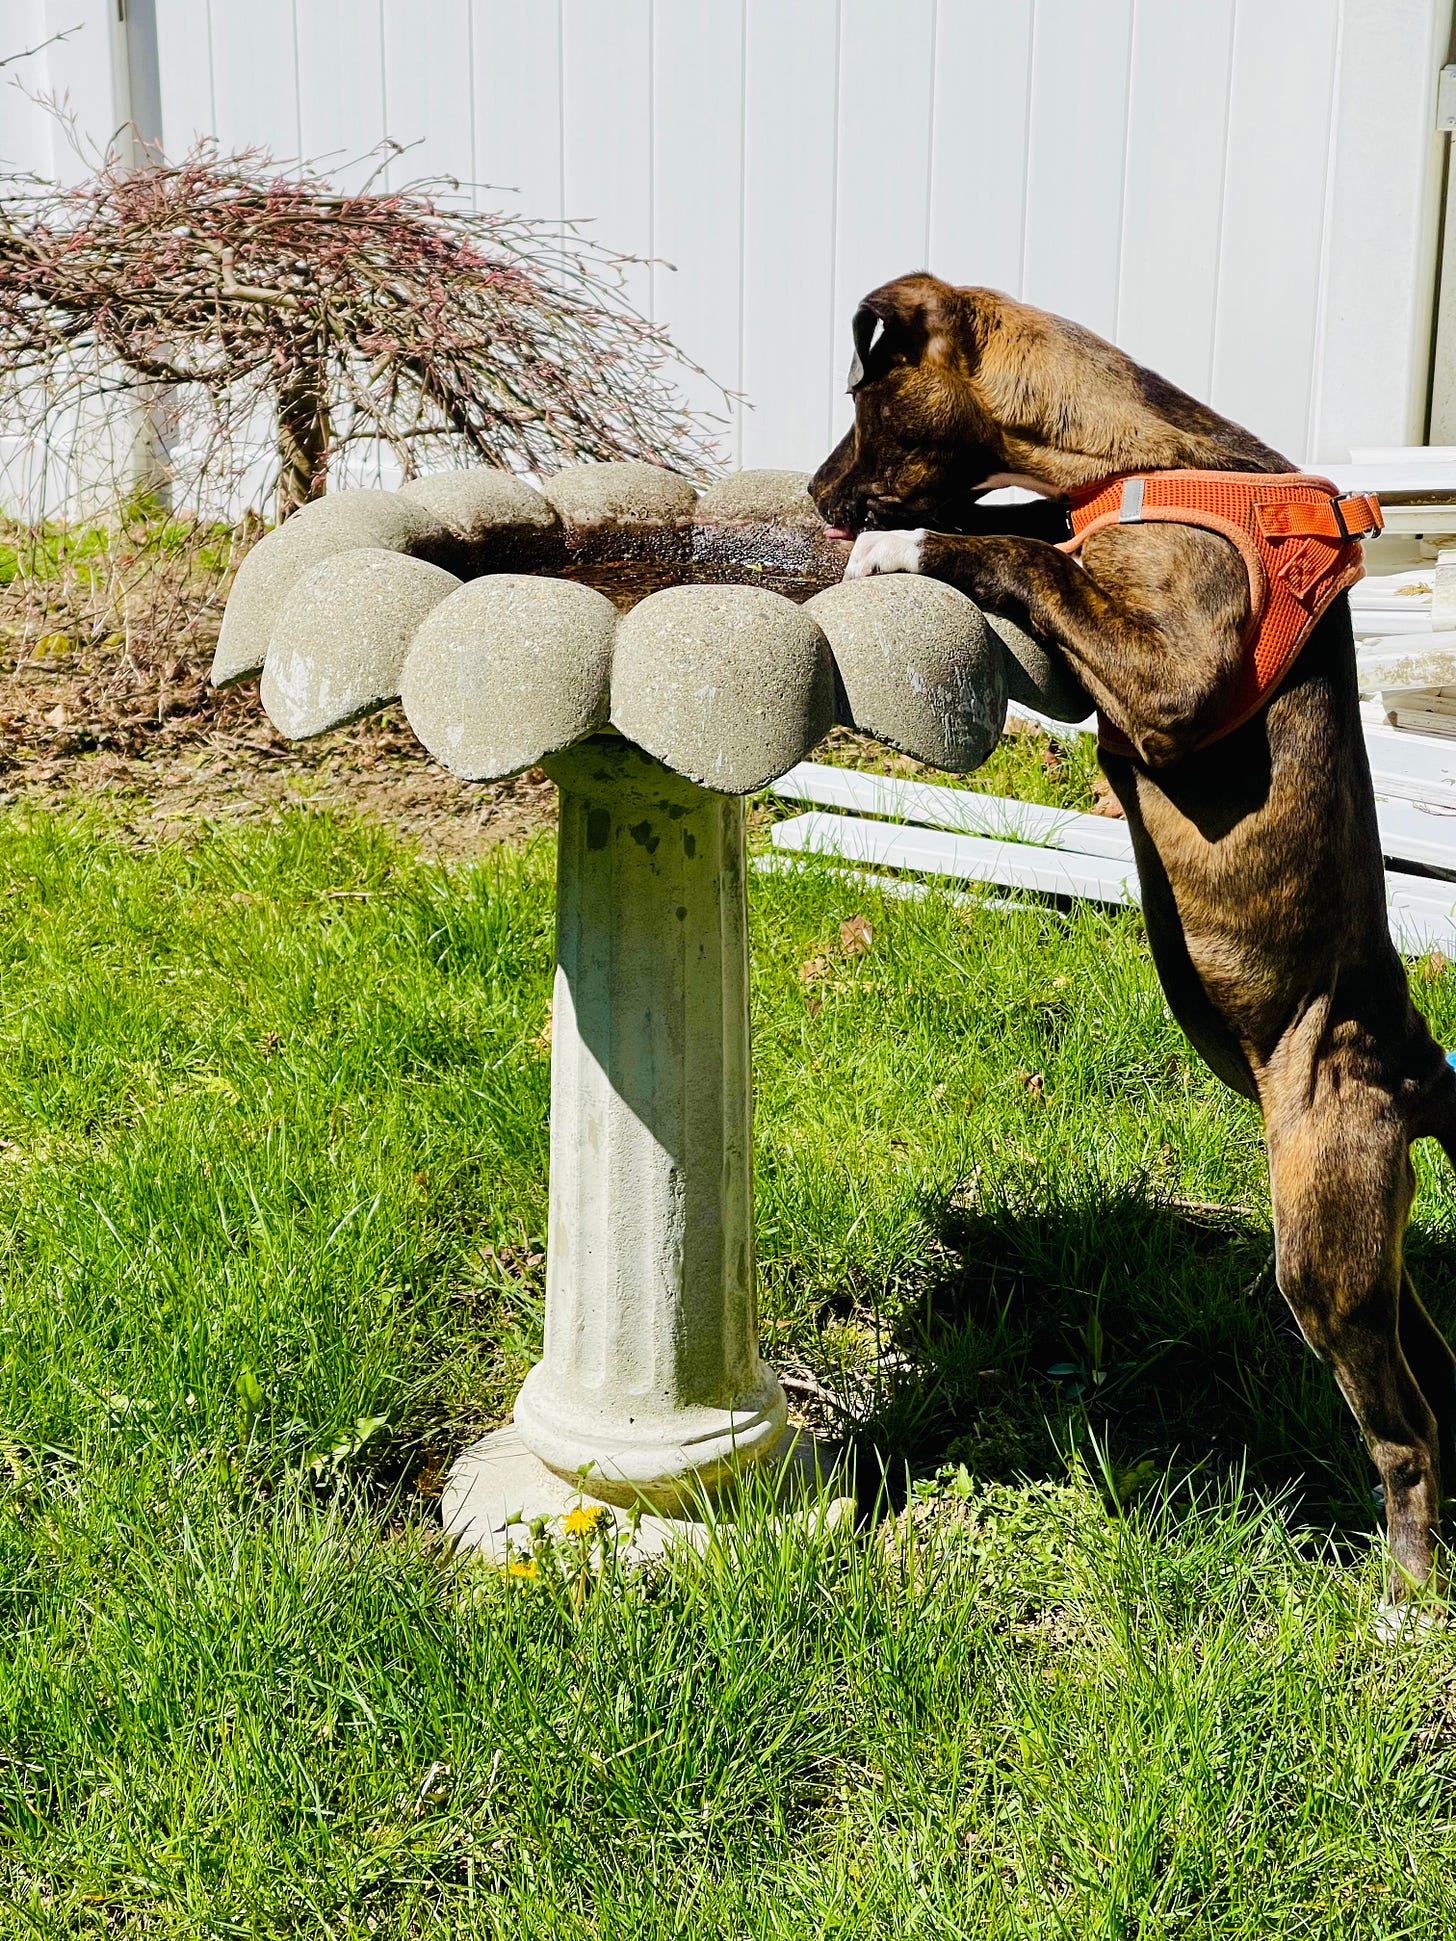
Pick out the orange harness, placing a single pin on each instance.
(1299, 540)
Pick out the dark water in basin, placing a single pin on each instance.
(627, 563)
(626, 581)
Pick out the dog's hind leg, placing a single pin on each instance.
(1341, 1180)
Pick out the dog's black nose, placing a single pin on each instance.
(843, 512)
(832, 486)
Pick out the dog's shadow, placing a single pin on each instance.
(1152, 1329)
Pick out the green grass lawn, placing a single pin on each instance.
(272, 1187)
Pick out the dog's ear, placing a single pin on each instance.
(896, 321)
(869, 331)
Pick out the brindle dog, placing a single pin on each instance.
(1258, 854)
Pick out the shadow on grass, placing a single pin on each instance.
(1152, 1327)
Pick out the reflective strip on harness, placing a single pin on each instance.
(1300, 543)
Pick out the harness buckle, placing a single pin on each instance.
(1337, 506)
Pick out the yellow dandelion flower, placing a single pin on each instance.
(581, 1521)
(525, 1568)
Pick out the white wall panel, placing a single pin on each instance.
(882, 195)
(788, 245)
(516, 51)
(184, 63)
(1177, 149)
(427, 82)
(979, 129)
(255, 75)
(1277, 175)
(1379, 245)
(697, 206)
(1242, 192)
(26, 135)
(84, 74)
(341, 89)
(1081, 61)
(607, 127)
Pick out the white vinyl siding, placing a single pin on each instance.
(1241, 192)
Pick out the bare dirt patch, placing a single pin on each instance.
(156, 745)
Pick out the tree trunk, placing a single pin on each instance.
(303, 437)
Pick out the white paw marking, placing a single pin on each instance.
(885, 552)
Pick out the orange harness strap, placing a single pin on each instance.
(1300, 542)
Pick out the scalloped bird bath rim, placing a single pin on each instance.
(477, 603)
(448, 596)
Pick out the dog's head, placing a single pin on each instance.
(957, 391)
(920, 446)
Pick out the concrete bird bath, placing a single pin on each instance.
(477, 604)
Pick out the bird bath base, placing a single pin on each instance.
(498, 1491)
(655, 711)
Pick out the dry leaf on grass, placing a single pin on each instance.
(1104, 802)
(856, 935)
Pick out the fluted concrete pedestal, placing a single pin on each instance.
(650, 1391)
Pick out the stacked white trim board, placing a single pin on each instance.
(927, 830)
(1404, 610)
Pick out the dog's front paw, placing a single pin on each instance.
(885, 552)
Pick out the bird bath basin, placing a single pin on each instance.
(662, 654)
